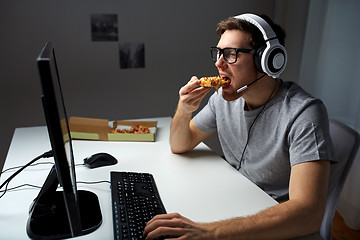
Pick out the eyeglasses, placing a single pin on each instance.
(230, 54)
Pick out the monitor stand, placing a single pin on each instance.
(48, 214)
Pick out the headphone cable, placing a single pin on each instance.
(252, 124)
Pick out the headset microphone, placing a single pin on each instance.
(242, 89)
(246, 86)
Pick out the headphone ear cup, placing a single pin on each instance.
(277, 60)
(257, 58)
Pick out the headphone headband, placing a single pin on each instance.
(270, 59)
(260, 23)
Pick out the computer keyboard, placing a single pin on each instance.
(135, 200)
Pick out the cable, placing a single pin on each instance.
(252, 124)
(20, 186)
(97, 182)
(34, 186)
(32, 165)
(47, 154)
(4, 191)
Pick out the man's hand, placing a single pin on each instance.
(176, 226)
(184, 135)
(190, 96)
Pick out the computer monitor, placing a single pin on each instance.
(70, 212)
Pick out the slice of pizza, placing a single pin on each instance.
(216, 82)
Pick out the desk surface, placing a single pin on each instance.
(200, 184)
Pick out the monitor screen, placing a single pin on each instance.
(80, 216)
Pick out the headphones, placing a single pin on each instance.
(270, 58)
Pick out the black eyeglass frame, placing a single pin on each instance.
(221, 50)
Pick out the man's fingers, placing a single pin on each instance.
(164, 225)
(190, 86)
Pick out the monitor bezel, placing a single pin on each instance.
(65, 172)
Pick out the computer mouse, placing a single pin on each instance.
(100, 160)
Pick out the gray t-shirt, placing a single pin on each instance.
(293, 128)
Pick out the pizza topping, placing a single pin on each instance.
(215, 82)
(134, 129)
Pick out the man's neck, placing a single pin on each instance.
(260, 93)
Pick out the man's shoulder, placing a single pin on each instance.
(296, 103)
(296, 95)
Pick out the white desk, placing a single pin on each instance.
(200, 185)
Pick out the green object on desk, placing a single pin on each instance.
(87, 136)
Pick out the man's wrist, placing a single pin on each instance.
(183, 114)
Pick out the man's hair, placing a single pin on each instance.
(257, 39)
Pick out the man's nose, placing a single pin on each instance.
(221, 63)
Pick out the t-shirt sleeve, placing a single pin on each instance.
(205, 119)
(309, 137)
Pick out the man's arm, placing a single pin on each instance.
(299, 216)
(184, 135)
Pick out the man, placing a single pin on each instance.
(272, 131)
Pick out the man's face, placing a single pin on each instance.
(243, 71)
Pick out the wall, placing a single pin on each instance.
(177, 36)
(330, 70)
